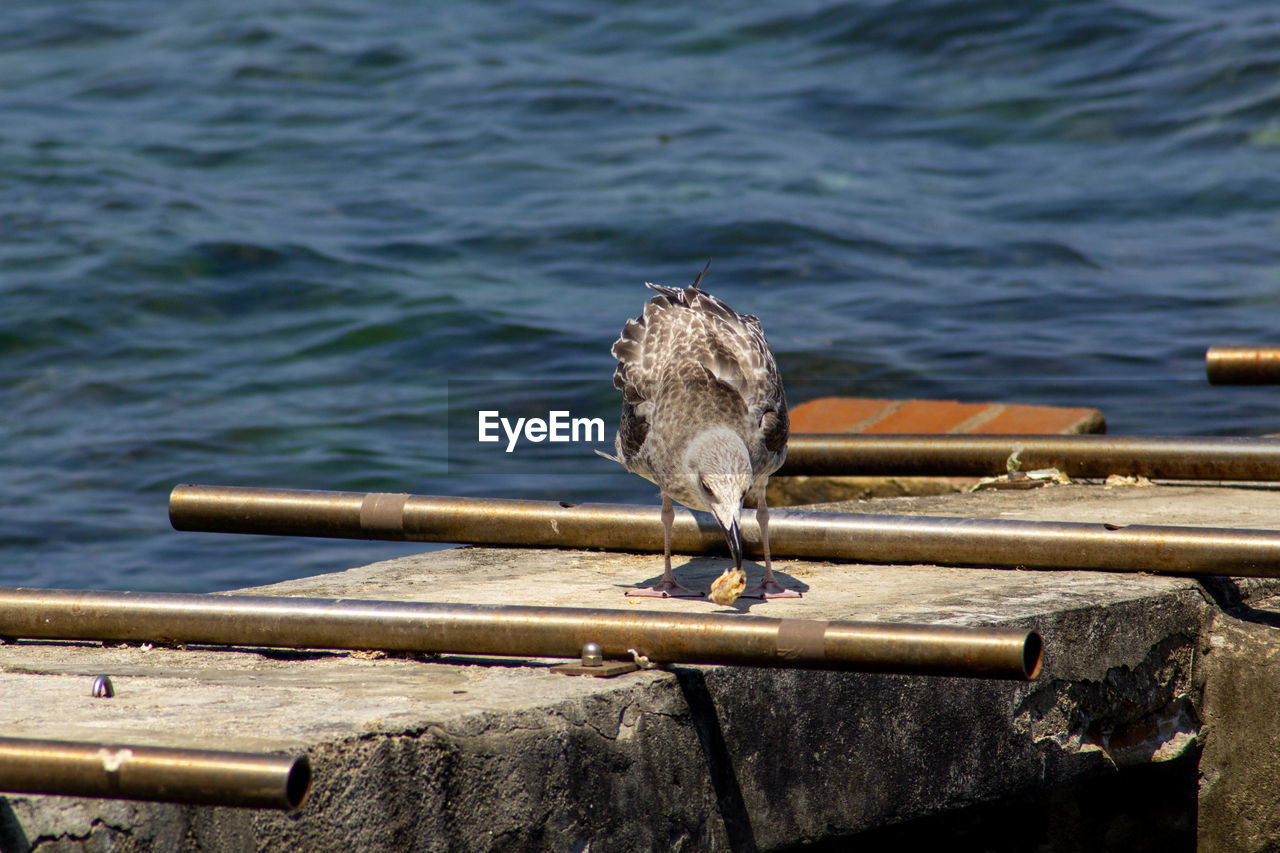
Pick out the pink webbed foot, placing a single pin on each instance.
(770, 589)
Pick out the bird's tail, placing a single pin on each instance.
(679, 295)
(698, 280)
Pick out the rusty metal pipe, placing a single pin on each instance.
(987, 542)
(159, 774)
(322, 623)
(1242, 365)
(1164, 457)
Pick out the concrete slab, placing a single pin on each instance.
(456, 753)
(1239, 679)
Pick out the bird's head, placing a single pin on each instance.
(720, 468)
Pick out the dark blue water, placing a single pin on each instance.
(284, 244)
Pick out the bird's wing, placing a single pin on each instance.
(688, 326)
(739, 356)
(764, 394)
(633, 429)
(687, 329)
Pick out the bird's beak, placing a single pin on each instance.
(727, 518)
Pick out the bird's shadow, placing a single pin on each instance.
(697, 573)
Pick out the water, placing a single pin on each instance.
(286, 244)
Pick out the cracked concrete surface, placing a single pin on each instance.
(462, 753)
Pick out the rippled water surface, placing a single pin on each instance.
(287, 244)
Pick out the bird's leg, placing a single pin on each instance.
(769, 587)
(668, 587)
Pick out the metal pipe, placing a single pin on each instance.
(986, 542)
(1165, 457)
(324, 623)
(159, 774)
(1242, 365)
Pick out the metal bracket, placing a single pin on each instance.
(594, 664)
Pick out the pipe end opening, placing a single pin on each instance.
(1032, 655)
(298, 783)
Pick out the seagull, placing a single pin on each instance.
(704, 418)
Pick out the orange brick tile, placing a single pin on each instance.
(927, 416)
(870, 415)
(1044, 419)
(838, 414)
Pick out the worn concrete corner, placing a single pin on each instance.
(1239, 673)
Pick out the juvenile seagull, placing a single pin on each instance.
(704, 418)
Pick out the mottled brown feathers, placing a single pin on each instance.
(691, 361)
